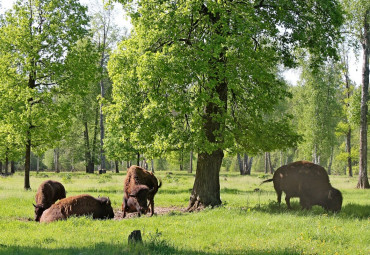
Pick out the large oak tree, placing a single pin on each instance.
(205, 73)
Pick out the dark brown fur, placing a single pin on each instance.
(47, 194)
(309, 182)
(140, 186)
(99, 208)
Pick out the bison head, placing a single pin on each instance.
(138, 199)
(106, 207)
(39, 209)
(334, 200)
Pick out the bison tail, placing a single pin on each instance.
(160, 183)
(269, 180)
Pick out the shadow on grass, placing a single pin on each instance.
(349, 211)
(160, 247)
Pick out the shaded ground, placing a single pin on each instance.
(118, 215)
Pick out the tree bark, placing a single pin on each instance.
(6, 162)
(240, 163)
(1, 167)
(56, 160)
(266, 163)
(152, 165)
(349, 131)
(38, 164)
(270, 163)
(330, 160)
(363, 182)
(116, 163)
(88, 158)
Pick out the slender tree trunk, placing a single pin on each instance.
(363, 182)
(116, 163)
(95, 141)
(152, 165)
(38, 164)
(249, 168)
(240, 163)
(270, 163)
(56, 160)
(330, 160)
(12, 167)
(349, 131)
(191, 162)
(88, 157)
(6, 162)
(27, 163)
(266, 163)
(138, 158)
(348, 146)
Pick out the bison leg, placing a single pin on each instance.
(279, 192)
(305, 204)
(152, 207)
(124, 206)
(287, 200)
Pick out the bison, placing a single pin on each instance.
(47, 194)
(309, 182)
(99, 208)
(140, 186)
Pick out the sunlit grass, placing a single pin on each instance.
(249, 221)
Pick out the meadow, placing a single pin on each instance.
(249, 221)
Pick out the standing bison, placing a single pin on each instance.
(48, 192)
(140, 186)
(99, 208)
(309, 182)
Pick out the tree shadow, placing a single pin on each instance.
(349, 211)
(152, 247)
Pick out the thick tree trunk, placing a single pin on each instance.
(206, 189)
(27, 163)
(363, 182)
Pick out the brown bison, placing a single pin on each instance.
(47, 194)
(309, 182)
(140, 186)
(99, 208)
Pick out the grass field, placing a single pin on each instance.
(248, 222)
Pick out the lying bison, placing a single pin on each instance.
(47, 194)
(140, 186)
(309, 182)
(99, 208)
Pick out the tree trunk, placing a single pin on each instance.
(56, 160)
(363, 182)
(1, 167)
(12, 167)
(6, 162)
(270, 163)
(27, 163)
(249, 168)
(240, 164)
(191, 162)
(330, 160)
(349, 131)
(89, 164)
(38, 164)
(266, 163)
(116, 163)
(206, 189)
(152, 165)
(138, 159)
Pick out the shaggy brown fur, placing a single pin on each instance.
(47, 194)
(309, 182)
(140, 186)
(99, 208)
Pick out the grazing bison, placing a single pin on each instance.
(48, 192)
(99, 208)
(309, 182)
(140, 186)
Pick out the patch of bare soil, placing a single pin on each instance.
(118, 215)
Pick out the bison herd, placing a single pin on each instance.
(302, 179)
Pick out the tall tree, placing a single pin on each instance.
(358, 22)
(211, 65)
(38, 34)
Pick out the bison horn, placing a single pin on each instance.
(34, 205)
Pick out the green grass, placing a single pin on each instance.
(248, 222)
